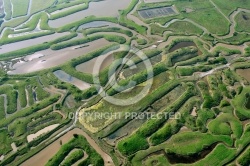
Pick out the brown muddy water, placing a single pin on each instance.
(30, 42)
(48, 152)
(50, 58)
(88, 67)
(106, 8)
(72, 80)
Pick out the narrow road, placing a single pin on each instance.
(220, 10)
(76, 116)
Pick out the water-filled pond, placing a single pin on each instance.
(51, 58)
(72, 80)
(88, 66)
(106, 8)
(96, 24)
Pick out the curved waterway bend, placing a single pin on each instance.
(233, 23)
(47, 153)
(108, 8)
(50, 58)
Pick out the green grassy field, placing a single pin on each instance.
(78, 8)
(8, 9)
(73, 157)
(2, 108)
(179, 27)
(243, 21)
(40, 5)
(77, 142)
(244, 159)
(239, 103)
(20, 8)
(5, 142)
(228, 6)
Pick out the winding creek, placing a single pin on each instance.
(247, 102)
(44, 155)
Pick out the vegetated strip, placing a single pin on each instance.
(33, 49)
(70, 11)
(111, 38)
(111, 29)
(127, 147)
(30, 110)
(143, 104)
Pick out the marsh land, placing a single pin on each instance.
(124, 82)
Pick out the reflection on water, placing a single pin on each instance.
(50, 58)
(106, 8)
(72, 80)
(30, 42)
(96, 24)
(33, 56)
(88, 66)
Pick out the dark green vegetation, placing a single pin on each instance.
(65, 157)
(5, 142)
(26, 108)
